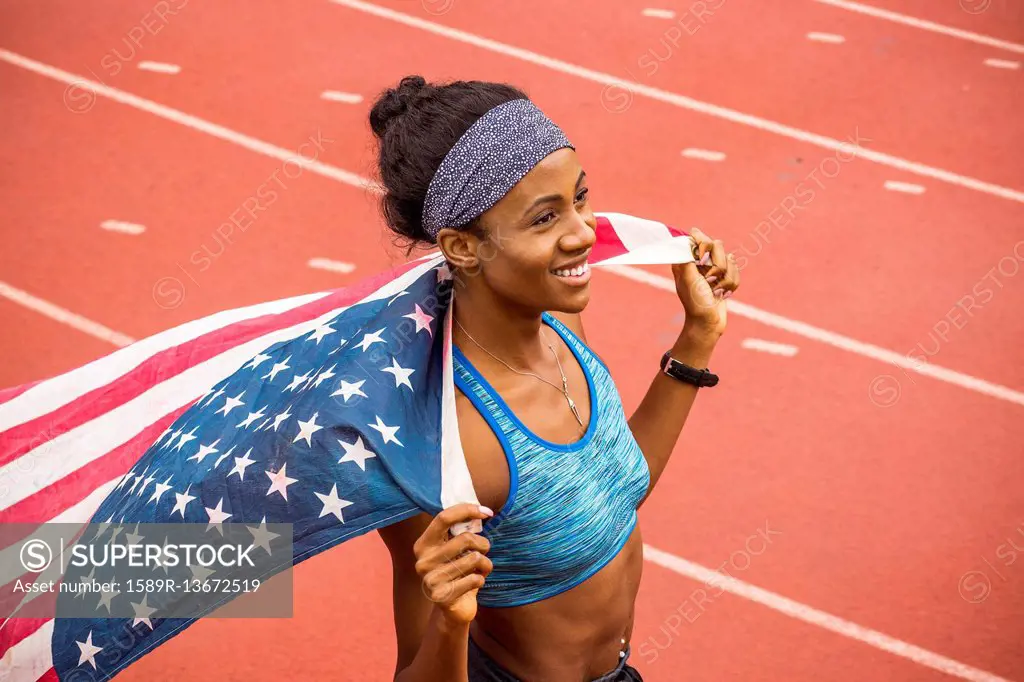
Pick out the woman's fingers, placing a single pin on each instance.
(437, 532)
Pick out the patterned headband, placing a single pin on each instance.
(495, 153)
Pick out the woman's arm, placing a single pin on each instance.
(659, 419)
(702, 288)
(433, 633)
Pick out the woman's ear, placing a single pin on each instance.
(459, 247)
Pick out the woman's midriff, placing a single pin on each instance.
(575, 635)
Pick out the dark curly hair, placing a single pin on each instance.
(416, 124)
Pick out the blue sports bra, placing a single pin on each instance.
(570, 508)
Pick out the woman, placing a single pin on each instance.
(546, 591)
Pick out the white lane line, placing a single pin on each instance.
(703, 154)
(924, 24)
(330, 265)
(905, 187)
(64, 316)
(826, 38)
(683, 102)
(1002, 63)
(658, 281)
(659, 13)
(808, 614)
(121, 226)
(159, 67)
(343, 97)
(783, 349)
(835, 340)
(194, 122)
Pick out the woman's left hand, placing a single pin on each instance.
(704, 286)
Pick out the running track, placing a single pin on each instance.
(881, 487)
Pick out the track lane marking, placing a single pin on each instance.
(924, 24)
(684, 102)
(796, 327)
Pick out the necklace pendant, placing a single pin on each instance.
(575, 412)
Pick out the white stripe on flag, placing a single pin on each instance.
(637, 232)
(29, 659)
(10, 563)
(78, 447)
(52, 394)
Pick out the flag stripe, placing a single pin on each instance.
(80, 483)
(31, 659)
(49, 395)
(607, 244)
(83, 445)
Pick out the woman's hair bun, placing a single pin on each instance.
(394, 102)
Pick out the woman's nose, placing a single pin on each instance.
(581, 236)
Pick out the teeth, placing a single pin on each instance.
(574, 272)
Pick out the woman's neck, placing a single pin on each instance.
(509, 332)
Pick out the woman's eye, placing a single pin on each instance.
(546, 218)
(582, 196)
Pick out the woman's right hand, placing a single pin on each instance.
(453, 569)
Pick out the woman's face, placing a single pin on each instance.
(538, 238)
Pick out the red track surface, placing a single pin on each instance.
(880, 510)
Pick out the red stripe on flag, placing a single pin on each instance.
(607, 244)
(13, 392)
(17, 629)
(49, 676)
(171, 362)
(44, 505)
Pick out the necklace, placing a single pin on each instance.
(565, 382)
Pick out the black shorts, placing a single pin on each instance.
(482, 668)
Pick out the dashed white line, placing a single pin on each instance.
(879, 13)
(1002, 63)
(689, 103)
(826, 38)
(331, 265)
(813, 616)
(159, 67)
(55, 312)
(667, 284)
(121, 226)
(703, 154)
(343, 97)
(784, 349)
(905, 187)
(659, 13)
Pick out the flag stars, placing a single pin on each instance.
(184, 438)
(324, 376)
(279, 419)
(257, 361)
(278, 367)
(142, 613)
(217, 514)
(88, 651)
(297, 380)
(320, 332)
(356, 452)
(145, 484)
(388, 432)
(253, 416)
(213, 397)
(279, 481)
(332, 503)
(421, 319)
(181, 501)
(400, 373)
(370, 339)
(158, 490)
(204, 450)
(348, 390)
(307, 429)
(231, 403)
(240, 465)
(221, 458)
(261, 536)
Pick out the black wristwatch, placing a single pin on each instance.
(700, 378)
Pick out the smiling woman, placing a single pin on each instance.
(546, 590)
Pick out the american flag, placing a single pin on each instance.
(333, 412)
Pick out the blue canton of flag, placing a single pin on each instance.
(335, 430)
